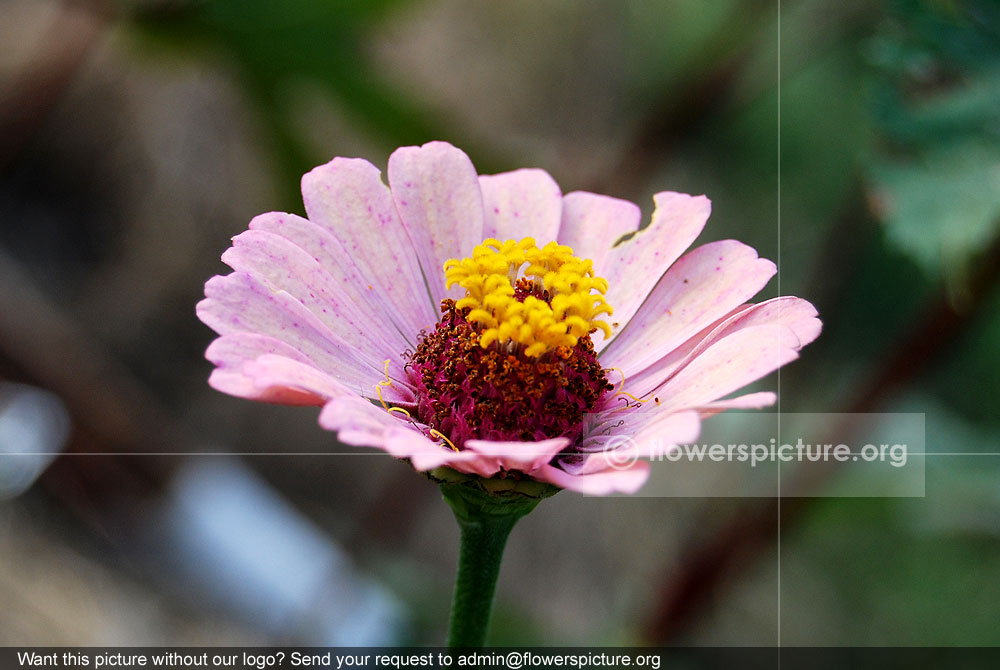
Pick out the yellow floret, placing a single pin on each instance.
(576, 296)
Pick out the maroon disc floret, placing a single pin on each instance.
(467, 391)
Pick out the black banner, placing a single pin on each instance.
(507, 658)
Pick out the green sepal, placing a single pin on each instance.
(505, 488)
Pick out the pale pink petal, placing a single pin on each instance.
(360, 423)
(242, 386)
(704, 285)
(425, 454)
(270, 370)
(758, 400)
(591, 224)
(472, 463)
(642, 383)
(604, 483)
(666, 428)
(235, 349)
(797, 314)
(240, 303)
(648, 432)
(319, 242)
(522, 203)
(278, 380)
(749, 401)
(348, 198)
(729, 365)
(231, 352)
(635, 266)
(436, 191)
(271, 374)
(286, 267)
(522, 456)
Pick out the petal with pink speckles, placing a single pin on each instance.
(704, 285)
(635, 266)
(522, 203)
(591, 224)
(436, 191)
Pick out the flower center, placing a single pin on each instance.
(513, 359)
(557, 304)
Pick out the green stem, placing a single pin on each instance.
(485, 522)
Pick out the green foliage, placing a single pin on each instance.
(937, 175)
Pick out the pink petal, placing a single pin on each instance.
(648, 432)
(231, 352)
(347, 197)
(666, 428)
(242, 386)
(591, 224)
(240, 303)
(436, 191)
(522, 203)
(424, 454)
(728, 365)
(360, 423)
(522, 456)
(699, 288)
(235, 349)
(286, 267)
(795, 313)
(749, 401)
(272, 373)
(635, 266)
(603, 483)
(285, 381)
(329, 252)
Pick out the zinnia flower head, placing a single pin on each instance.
(494, 326)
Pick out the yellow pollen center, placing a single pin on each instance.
(575, 295)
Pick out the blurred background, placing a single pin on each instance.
(137, 137)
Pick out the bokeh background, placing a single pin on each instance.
(856, 142)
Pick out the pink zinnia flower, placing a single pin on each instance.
(543, 350)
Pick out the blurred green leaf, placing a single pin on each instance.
(936, 179)
(943, 207)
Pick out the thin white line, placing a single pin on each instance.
(375, 452)
(778, 266)
(198, 453)
(958, 453)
